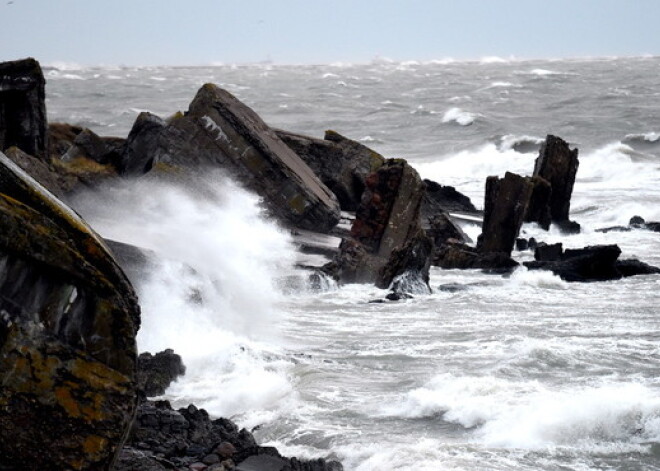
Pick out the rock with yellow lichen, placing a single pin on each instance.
(68, 319)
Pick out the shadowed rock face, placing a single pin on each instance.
(505, 205)
(68, 319)
(387, 219)
(341, 163)
(220, 131)
(23, 120)
(558, 164)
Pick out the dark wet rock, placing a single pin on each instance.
(558, 164)
(102, 150)
(461, 256)
(453, 287)
(548, 252)
(138, 157)
(178, 439)
(23, 121)
(439, 198)
(637, 221)
(633, 267)
(442, 228)
(398, 296)
(522, 244)
(538, 208)
(67, 335)
(568, 227)
(157, 372)
(605, 230)
(593, 263)
(134, 261)
(341, 163)
(220, 131)
(386, 221)
(505, 205)
(410, 265)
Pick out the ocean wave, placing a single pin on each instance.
(494, 60)
(529, 415)
(459, 116)
(523, 144)
(217, 264)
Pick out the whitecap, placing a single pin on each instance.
(459, 116)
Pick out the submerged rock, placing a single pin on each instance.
(454, 255)
(593, 263)
(341, 163)
(67, 335)
(220, 131)
(23, 121)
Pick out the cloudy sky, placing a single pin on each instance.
(197, 32)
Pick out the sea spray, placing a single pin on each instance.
(211, 293)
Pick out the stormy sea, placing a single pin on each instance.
(516, 372)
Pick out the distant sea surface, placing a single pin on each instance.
(519, 372)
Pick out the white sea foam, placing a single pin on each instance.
(649, 136)
(526, 414)
(212, 296)
(493, 60)
(537, 279)
(459, 116)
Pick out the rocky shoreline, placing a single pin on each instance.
(73, 382)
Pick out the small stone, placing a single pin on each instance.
(198, 466)
(225, 450)
(211, 459)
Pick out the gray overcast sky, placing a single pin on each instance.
(196, 32)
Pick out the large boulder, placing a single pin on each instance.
(138, 155)
(23, 121)
(558, 164)
(220, 131)
(341, 163)
(67, 335)
(386, 220)
(505, 205)
(538, 209)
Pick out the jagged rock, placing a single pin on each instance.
(594, 263)
(138, 155)
(558, 164)
(407, 269)
(633, 267)
(636, 222)
(220, 131)
(460, 256)
(441, 228)
(67, 335)
(548, 252)
(505, 205)
(23, 121)
(439, 198)
(341, 163)
(538, 208)
(102, 150)
(156, 372)
(388, 217)
(60, 138)
(181, 438)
